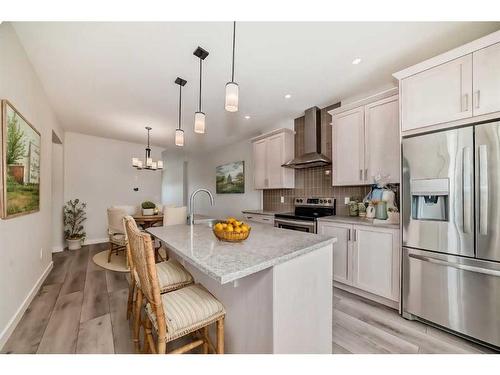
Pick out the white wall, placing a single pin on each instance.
(99, 171)
(173, 187)
(25, 241)
(57, 197)
(201, 174)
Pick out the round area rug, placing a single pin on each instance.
(118, 262)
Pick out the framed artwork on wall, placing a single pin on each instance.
(230, 178)
(20, 166)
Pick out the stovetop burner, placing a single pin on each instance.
(309, 209)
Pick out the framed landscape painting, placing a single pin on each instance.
(20, 167)
(230, 178)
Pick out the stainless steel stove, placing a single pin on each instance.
(306, 213)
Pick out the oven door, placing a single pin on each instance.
(300, 225)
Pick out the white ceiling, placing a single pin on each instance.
(112, 79)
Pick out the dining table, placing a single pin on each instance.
(147, 221)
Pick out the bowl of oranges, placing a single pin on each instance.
(231, 230)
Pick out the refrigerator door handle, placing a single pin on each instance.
(465, 267)
(483, 189)
(467, 189)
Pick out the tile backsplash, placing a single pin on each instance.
(313, 182)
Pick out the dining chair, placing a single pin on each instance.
(171, 276)
(186, 311)
(116, 234)
(174, 215)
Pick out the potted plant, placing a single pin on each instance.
(148, 208)
(74, 216)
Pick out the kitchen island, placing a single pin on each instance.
(276, 286)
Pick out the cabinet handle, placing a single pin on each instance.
(466, 97)
(366, 174)
(477, 98)
(348, 235)
(361, 174)
(355, 236)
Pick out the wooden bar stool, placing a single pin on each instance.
(171, 276)
(186, 311)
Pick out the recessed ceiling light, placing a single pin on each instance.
(247, 117)
(356, 61)
(288, 96)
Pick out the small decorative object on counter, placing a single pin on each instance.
(392, 215)
(370, 210)
(362, 209)
(353, 208)
(381, 210)
(148, 208)
(232, 230)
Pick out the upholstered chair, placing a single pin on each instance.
(117, 240)
(171, 276)
(174, 215)
(185, 312)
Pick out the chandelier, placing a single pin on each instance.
(148, 162)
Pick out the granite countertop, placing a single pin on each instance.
(358, 221)
(266, 247)
(261, 212)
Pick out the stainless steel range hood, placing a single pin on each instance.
(312, 156)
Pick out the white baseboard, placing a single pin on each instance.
(93, 241)
(4, 336)
(57, 249)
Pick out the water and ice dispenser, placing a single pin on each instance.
(430, 199)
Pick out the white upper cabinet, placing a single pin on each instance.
(486, 80)
(365, 140)
(437, 95)
(382, 139)
(348, 147)
(270, 152)
(455, 88)
(260, 164)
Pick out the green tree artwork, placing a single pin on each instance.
(230, 178)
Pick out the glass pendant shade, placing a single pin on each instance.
(199, 122)
(139, 164)
(153, 166)
(159, 164)
(232, 92)
(149, 162)
(179, 137)
(135, 162)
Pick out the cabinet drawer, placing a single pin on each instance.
(259, 218)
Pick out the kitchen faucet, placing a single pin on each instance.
(191, 203)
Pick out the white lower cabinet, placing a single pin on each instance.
(341, 252)
(260, 218)
(365, 258)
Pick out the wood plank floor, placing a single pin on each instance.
(81, 308)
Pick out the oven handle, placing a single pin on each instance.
(296, 222)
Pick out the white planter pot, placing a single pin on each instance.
(74, 244)
(148, 211)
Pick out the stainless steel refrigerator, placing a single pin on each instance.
(451, 230)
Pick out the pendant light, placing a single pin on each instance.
(199, 116)
(148, 162)
(179, 133)
(232, 89)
